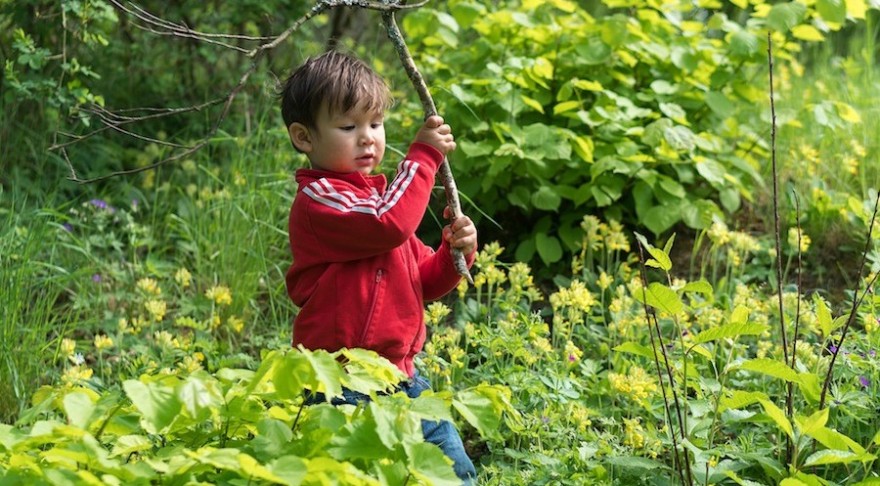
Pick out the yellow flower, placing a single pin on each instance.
(637, 384)
(183, 278)
(604, 281)
(219, 294)
(103, 342)
(166, 339)
(68, 346)
(156, 308)
(76, 374)
(633, 433)
(149, 286)
(236, 324)
(189, 364)
(436, 312)
(793, 240)
(572, 353)
(187, 321)
(238, 179)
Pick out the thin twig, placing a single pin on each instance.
(855, 306)
(682, 466)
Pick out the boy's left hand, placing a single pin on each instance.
(460, 233)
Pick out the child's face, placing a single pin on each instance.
(343, 142)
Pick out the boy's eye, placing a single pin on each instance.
(376, 124)
(347, 128)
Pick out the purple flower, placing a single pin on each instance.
(832, 348)
(67, 227)
(572, 358)
(545, 419)
(96, 278)
(864, 382)
(98, 203)
(872, 353)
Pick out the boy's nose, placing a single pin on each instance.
(367, 139)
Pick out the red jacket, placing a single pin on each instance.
(360, 275)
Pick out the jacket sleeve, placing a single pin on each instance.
(437, 271)
(349, 227)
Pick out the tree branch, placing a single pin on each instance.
(430, 109)
(111, 120)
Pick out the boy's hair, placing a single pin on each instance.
(340, 80)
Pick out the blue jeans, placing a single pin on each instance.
(439, 432)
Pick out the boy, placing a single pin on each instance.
(360, 275)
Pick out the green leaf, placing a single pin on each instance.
(291, 469)
(128, 444)
(832, 10)
(483, 406)
(157, 403)
(813, 422)
(635, 462)
(823, 315)
(545, 198)
(327, 372)
(741, 399)
(635, 348)
(549, 248)
(784, 16)
(729, 331)
(197, 397)
(770, 367)
(778, 416)
(660, 218)
(720, 104)
(833, 439)
(807, 32)
(699, 287)
(660, 297)
(79, 407)
(430, 465)
(660, 259)
(712, 171)
(358, 440)
(830, 456)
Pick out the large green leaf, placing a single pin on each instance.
(729, 331)
(483, 407)
(832, 10)
(830, 456)
(157, 403)
(429, 464)
(635, 348)
(79, 408)
(770, 367)
(784, 16)
(548, 247)
(778, 416)
(660, 297)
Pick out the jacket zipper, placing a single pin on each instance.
(374, 300)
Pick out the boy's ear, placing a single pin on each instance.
(300, 136)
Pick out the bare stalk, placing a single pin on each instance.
(855, 306)
(681, 465)
(775, 176)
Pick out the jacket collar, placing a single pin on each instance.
(376, 181)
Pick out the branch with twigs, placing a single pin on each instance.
(118, 120)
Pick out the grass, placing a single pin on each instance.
(35, 311)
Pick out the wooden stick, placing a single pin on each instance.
(430, 108)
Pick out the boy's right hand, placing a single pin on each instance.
(436, 134)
